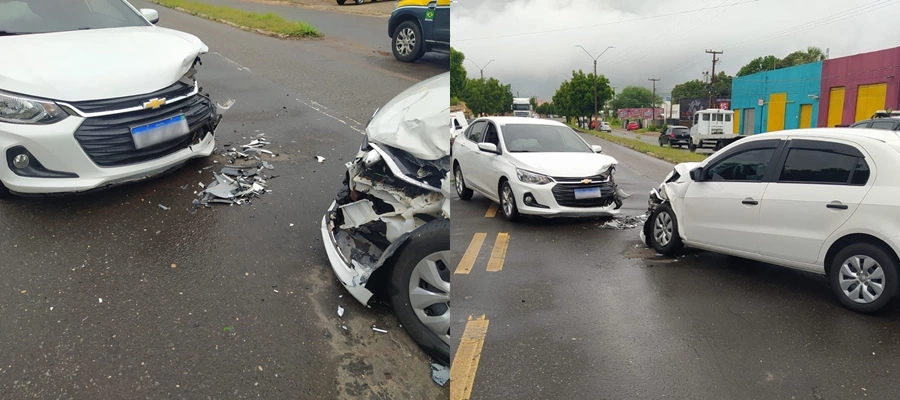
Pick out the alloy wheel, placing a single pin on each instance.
(429, 293)
(406, 41)
(459, 182)
(506, 198)
(663, 228)
(862, 279)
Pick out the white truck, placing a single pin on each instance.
(713, 128)
(458, 123)
(521, 107)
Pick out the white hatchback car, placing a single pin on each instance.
(819, 200)
(534, 166)
(93, 94)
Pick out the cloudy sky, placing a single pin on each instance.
(533, 42)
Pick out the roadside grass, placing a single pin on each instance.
(269, 22)
(671, 155)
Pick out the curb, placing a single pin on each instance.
(241, 27)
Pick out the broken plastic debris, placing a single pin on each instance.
(163, 207)
(291, 225)
(340, 311)
(320, 159)
(378, 330)
(101, 299)
(629, 222)
(440, 374)
(344, 327)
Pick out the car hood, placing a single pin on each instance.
(415, 120)
(96, 64)
(564, 165)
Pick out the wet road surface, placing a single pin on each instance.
(582, 312)
(107, 295)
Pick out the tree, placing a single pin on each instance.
(575, 97)
(488, 96)
(561, 101)
(635, 97)
(533, 101)
(722, 85)
(689, 89)
(759, 64)
(457, 73)
(770, 62)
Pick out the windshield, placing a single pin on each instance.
(45, 16)
(679, 130)
(525, 138)
(521, 107)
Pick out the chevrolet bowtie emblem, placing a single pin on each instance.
(153, 104)
(586, 181)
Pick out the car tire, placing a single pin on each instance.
(663, 235)
(406, 32)
(691, 146)
(341, 2)
(428, 247)
(462, 191)
(841, 278)
(359, 1)
(508, 203)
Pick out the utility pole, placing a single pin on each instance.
(481, 68)
(654, 80)
(595, 72)
(712, 79)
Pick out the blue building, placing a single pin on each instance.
(780, 99)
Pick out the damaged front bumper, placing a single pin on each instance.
(385, 197)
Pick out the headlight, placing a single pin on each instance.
(609, 172)
(21, 110)
(531, 177)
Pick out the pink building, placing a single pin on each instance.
(854, 87)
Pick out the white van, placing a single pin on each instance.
(713, 128)
(458, 123)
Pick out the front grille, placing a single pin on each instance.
(107, 140)
(92, 106)
(565, 194)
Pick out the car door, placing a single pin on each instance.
(441, 10)
(465, 147)
(484, 174)
(722, 209)
(819, 185)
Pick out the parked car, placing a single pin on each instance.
(341, 2)
(819, 200)
(109, 98)
(890, 124)
(675, 135)
(534, 167)
(419, 26)
(604, 127)
(387, 234)
(632, 126)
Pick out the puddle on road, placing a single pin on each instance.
(650, 257)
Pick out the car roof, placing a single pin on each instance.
(678, 126)
(881, 135)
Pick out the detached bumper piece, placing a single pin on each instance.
(108, 141)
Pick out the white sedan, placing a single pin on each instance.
(818, 200)
(535, 167)
(97, 96)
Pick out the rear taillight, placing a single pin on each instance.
(672, 135)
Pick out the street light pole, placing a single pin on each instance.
(481, 68)
(654, 80)
(595, 72)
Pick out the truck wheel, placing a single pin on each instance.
(420, 288)
(407, 43)
(691, 146)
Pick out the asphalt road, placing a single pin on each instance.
(582, 312)
(109, 296)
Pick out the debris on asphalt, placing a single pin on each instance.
(326, 333)
(440, 374)
(345, 327)
(374, 328)
(340, 311)
(628, 222)
(101, 299)
(235, 184)
(320, 159)
(163, 207)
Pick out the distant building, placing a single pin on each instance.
(776, 100)
(854, 87)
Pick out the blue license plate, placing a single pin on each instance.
(161, 131)
(587, 193)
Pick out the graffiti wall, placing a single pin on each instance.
(687, 107)
(641, 113)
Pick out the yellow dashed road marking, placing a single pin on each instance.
(468, 260)
(465, 361)
(492, 211)
(499, 253)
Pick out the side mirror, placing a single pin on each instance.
(151, 15)
(597, 148)
(488, 148)
(697, 174)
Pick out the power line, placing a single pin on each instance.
(852, 12)
(455, 40)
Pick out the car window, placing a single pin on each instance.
(817, 166)
(680, 131)
(456, 124)
(491, 135)
(529, 138)
(727, 117)
(749, 165)
(860, 173)
(44, 16)
(860, 124)
(706, 117)
(886, 124)
(475, 130)
(696, 118)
